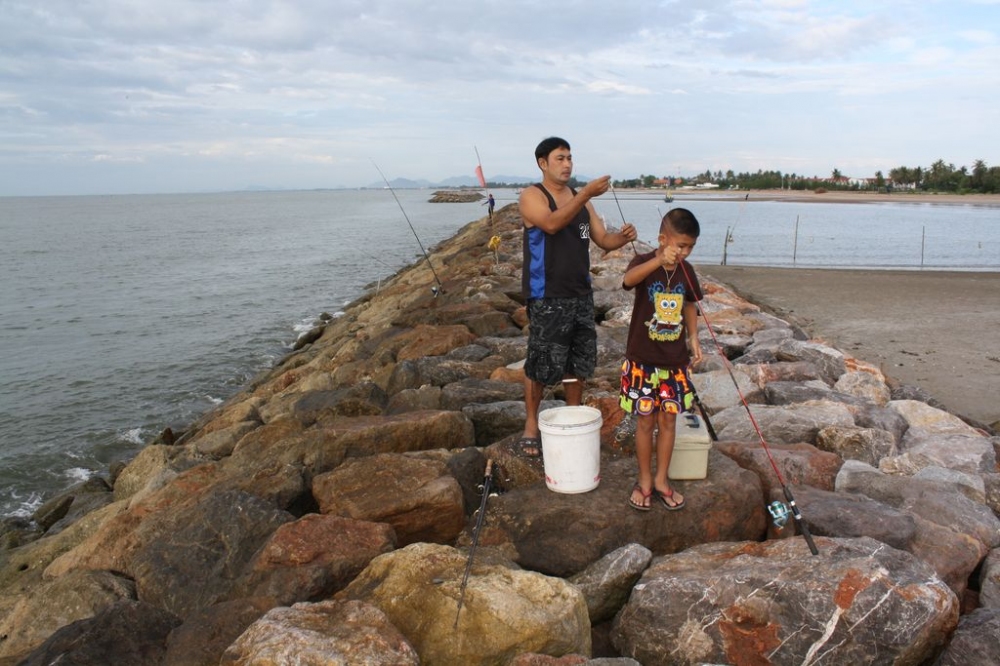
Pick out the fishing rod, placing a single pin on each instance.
(777, 510)
(481, 515)
(440, 287)
(615, 195)
(729, 231)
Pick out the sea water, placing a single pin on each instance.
(123, 315)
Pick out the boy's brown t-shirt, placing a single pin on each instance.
(656, 333)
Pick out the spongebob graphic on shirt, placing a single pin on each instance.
(666, 323)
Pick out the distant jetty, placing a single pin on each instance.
(452, 196)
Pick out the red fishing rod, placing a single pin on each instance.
(780, 512)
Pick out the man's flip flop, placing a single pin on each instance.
(645, 495)
(669, 495)
(531, 447)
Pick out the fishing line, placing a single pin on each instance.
(615, 195)
(803, 528)
(440, 287)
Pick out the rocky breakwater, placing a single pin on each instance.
(455, 196)
(323, 514)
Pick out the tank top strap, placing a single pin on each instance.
(552, 201)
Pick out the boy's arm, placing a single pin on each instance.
(689, 315)
(639, 272)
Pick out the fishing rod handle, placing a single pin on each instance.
(803, 528)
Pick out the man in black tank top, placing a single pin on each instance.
(559, 224)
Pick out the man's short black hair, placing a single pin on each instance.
(681, 221)
(548, 145)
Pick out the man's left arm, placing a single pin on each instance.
(606, 240)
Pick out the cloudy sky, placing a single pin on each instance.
(134, 96)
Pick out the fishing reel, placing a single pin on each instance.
(779, 513)
(435, 290)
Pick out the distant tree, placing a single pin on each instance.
(879, 180)
(836, 175)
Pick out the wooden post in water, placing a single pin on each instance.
(725, 246)
(795, 243)
(923, 241)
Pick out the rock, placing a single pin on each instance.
(457, 395)
(314, 557)
(328, 632)
(923, 419)
(130, 632)
(797, 371)
(723, 603)
(869, 445)
(936, 501)
(972, 454)
(799, 464)
(57, 508)
(915, 393)
(412, 400)
(418, 587)
(864, 385)
(607, 582)
(56, 604)
(989, 581)
(976, 642)
(418, 497)
(562, 534)
(497, 420)
(148, 465)
(830, 361)
(717, 391)
(362, 399)
(790, 393)
(191, 559)
(220, 443)
(788, 424)
(851, 515)
(204, 637)
(881, 418)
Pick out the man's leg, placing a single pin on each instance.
(573, 387)
(531, 443)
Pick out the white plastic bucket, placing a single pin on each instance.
(571, 448)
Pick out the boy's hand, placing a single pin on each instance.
(669, 256)
(694, 346)
(628, 232)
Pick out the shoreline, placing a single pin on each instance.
(806, 196)
(931, 329)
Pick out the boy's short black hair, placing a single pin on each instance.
(548, 145)
(680, 221)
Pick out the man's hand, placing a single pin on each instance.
(628, 232)
(597, 187)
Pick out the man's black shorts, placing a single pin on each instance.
(562, 339)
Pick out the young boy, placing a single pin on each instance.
(662, 342)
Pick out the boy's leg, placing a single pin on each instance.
(644, 456)
(666, 423)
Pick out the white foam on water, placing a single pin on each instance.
(214, 400)
(27, 506)
(78, 473)
(132, 436)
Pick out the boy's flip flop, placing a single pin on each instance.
(669, 495)
(645, 495)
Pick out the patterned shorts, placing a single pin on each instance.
(562, 339)
(646, 388)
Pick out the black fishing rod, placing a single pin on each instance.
(779, 513)
(440, 287)
(481, 514)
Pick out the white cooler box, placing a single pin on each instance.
(690, 458)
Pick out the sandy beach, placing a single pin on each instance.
(934, 329)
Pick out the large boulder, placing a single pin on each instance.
(328, 632)
(607, 583)
(562, 534)
(799, 464)
(206, 634)
(735, 603)
(504, 611)
(129, 632)
(790, 424)
(417, 496)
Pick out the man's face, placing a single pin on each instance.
(558, 166)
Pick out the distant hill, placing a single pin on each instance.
(454, 181)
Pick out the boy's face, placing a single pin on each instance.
(683, 243)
